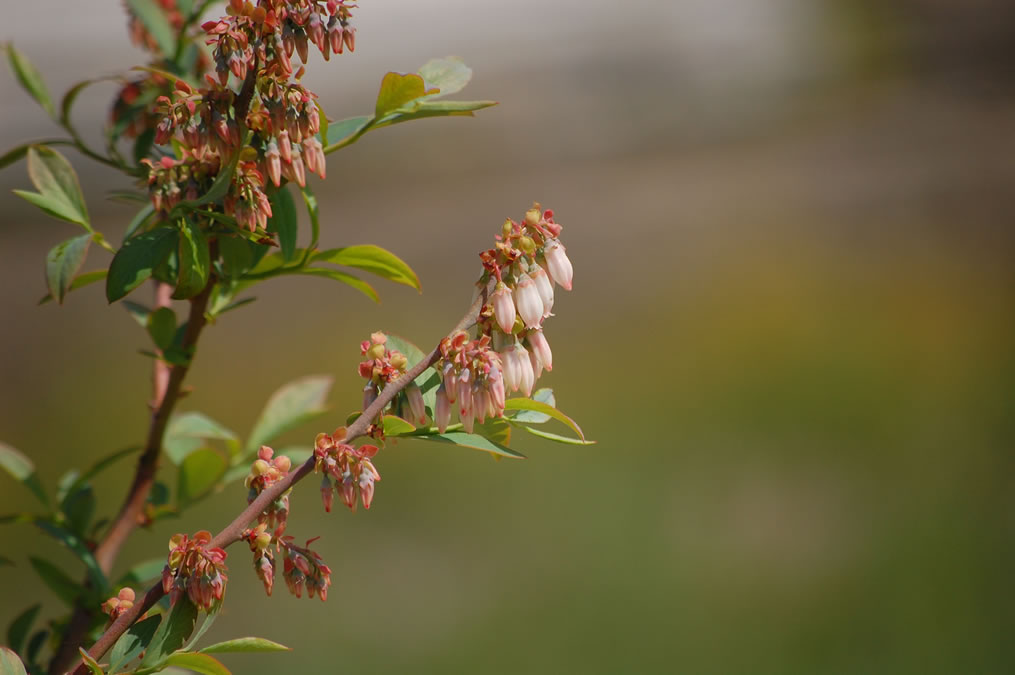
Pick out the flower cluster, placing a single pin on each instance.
(346, 469)
(273, 122)
(527, 260)
(384, 366)
(196, 570)
(302, 567)
(259, 540)
(472, 378)
(119, 603)
(265, 471)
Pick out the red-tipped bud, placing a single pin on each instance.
(541, 348)
(327, 493)
(442, 411)
(416, 405)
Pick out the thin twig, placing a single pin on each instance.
(232, 532)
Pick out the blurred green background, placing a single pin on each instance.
(791, 333)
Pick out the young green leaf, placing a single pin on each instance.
(59, 192)
(246, 644)
(529, 404)
(80, 549)
(93, 666)
(172, 632)
(474, 441)
(449, 74)
(133, 642)
(195, 261)
(10, 663)
(427, 108)
(347, 131)
(284, 222)
(28, 77)
(139, 219)
(397, 90)
(347, 279)
(237, 256)
(544, 395)
(556, 438)
(372, 259)
(197, 662)
(79, 281)
(293, 404)
(19, 628)
(199, 473)
(22, 469)
(137, 259)
(56, 580)
(396, 426)
(428, 379)
(186, 431)
(155, 21)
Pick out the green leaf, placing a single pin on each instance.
(19, 628)
(346, 132)
(90, 663)
(449, 74)
(284, 221)
(556, 437)
(142, 572)
(246, 644)
(195, 261)
(372, 259)
(139, 219)
(10, 664)
(396, 426)
(22, 469)
(79, 507)
(161, 326)
(293, 404)
(53, 207)
(102, 464)
(198, 662)
(427, 108)
(397, 90)
(347, 279)
(80, 549)
(537, 406)
(544, 395)
(186, 431)
(172, 632)
(14, 154)
(56, 580)
(137, 259)
(199, 473)
(428, 379)
(237, 256)
(156, 22)
(209, 619)
(313, 211)
(28, 77)
(474, 441)
(79, 281)
(55, 179)
(133, 642)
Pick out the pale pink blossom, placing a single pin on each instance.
(528, 301)
(504, 307)
(545, 288)
(541, 348)
(558, 264)
(442, 411)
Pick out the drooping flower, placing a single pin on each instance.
(558, 264)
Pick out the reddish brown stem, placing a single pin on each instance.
(167, 382)
(232, 532)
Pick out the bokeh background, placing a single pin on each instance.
(791, 334)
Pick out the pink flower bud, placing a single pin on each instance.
(537, 366)
(545, 288)
(526, 375)
(416, 405)
(558, 264)
(451, 388)
(327, 493)
(284, 146)
(274, 163)
(464, 394)
(480, 403)
(530, 305)
(298, 171)
(497, 393)
(301, 45)
(541, 348)
(442, 412)
(504, 307)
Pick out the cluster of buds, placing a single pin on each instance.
(382, 367)
(196, 570)
(259, 539)
(275, 128)
(171, 181)
(472, 378)
(527, 260)
(346, 470)
(303, 568)
(119, 603)
(265, 471)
